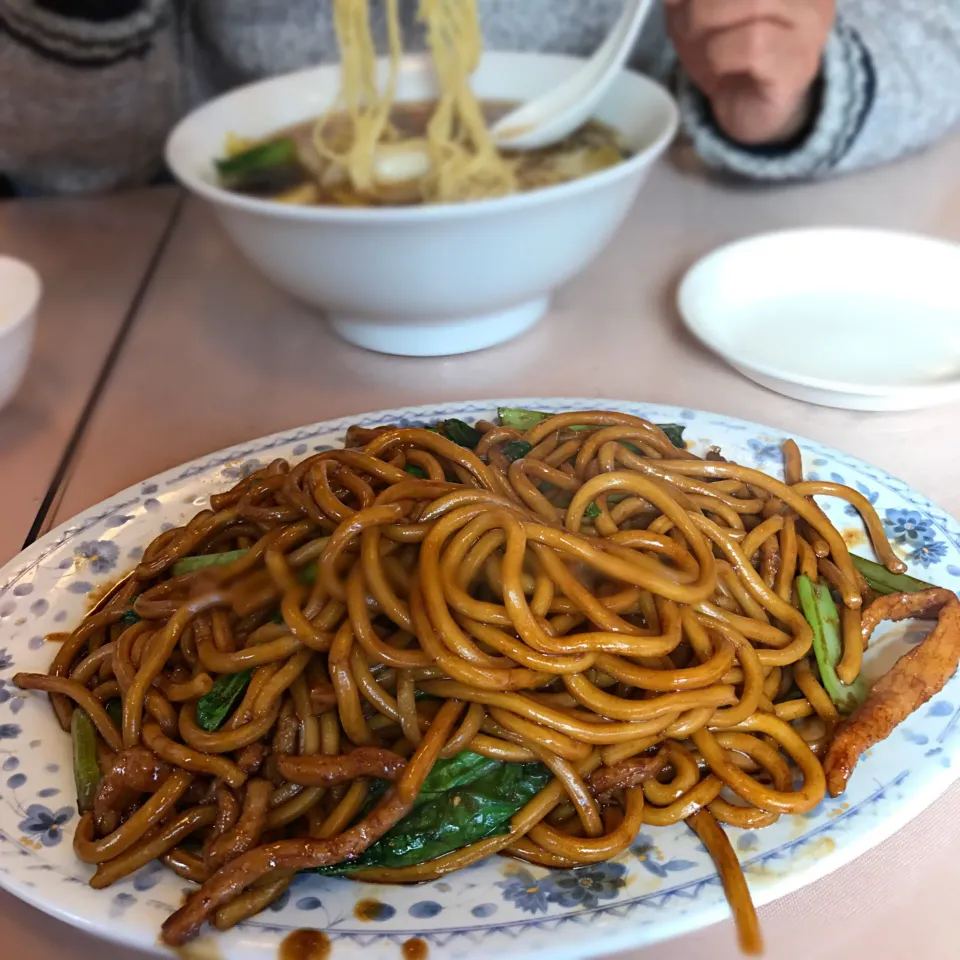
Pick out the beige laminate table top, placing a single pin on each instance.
(92, 256)
(212, 355)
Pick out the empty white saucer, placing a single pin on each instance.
(20, 290)
(860, 319)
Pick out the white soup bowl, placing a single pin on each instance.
(20, 290)
(427, 280)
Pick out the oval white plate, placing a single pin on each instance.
(665, 885)
(860, 319)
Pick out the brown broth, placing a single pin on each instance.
(593, 147)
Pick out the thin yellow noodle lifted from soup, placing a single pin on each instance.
(528, 638)
(363, 151)
(459, 159)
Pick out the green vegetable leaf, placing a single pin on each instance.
(516, 450)
(129, 618)
(458, 771)
(674, 432)
(461, 433)
(86, 770)
(259, 156)
(415, 471)
(448, 774)
(214, 707)
(114, 710)
(881, 580)
(592, 511)
(524, 420)
(824, 619)
(454, 818)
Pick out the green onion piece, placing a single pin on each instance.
(265, 168)
(824, 619)
(461, 433)
(192, 564)
(516, 450)
(214, 707)
(881, 580)
(307, 574)
(86, 770)
(593, 510)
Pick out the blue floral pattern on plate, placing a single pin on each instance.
(99, 555)
(666, 878)
(649, 854)
(527, 892)
(586, 887)
(45, 824)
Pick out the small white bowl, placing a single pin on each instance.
(20, 290)
(428, 280)
(850, 318)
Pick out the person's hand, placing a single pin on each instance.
(756, 61)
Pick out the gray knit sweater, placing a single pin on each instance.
(90, 88)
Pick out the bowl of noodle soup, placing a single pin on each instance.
(428, 279)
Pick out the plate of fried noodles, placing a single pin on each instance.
(548, 676)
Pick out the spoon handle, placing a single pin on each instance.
(550, 117)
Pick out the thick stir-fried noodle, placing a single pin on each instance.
(601, 629)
